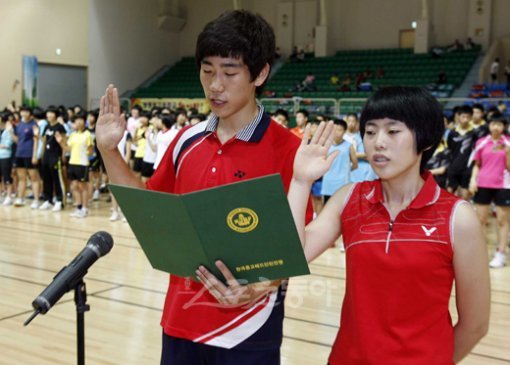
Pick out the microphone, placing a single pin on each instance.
(99, 244)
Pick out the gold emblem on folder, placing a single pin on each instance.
(242, 220)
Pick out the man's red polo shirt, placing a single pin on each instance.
(197, 160)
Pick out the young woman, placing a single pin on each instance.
(406, 240)
(490, 182)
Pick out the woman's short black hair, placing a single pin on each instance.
(498, 117)
(415, 107)
(238, 34)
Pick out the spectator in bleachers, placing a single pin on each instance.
(456, 46)
(494, 70)
(281, 117)
(308, 84)
(461, 143)
(469, 44)
(334, 79)
(346, 83)
(301, 55)
(380, 73)
(490, 184)
(441, 78)
(301, 120)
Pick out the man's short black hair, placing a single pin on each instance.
(238, 34)
(478, 106)
(465, 109)
(352, 115)
(25, 108)
(415, 107)
(304, 112)
(282, 112)
(341, 122)
(53, 109)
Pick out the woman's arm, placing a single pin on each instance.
(473, 185)
(311, 162)
(472, 282)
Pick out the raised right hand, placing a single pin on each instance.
(111, 124)
(312, 160)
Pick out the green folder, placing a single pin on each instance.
(248, 225)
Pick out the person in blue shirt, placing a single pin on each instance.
(6, 158)
(339, 173)
(364, 172)
(26, 135)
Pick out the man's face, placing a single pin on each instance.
(228, 85)
(301, 120)
(477, 115)
(464, 119)
(25, 115)
(352, 123)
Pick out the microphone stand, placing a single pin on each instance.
(80, 300)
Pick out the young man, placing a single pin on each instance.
(461, 143)
(406, 240)
(282, 117)
(301, 120)
(339, 174)
(478, 121)
(217, 324)
(364, 172)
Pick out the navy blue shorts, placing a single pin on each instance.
(177, 351)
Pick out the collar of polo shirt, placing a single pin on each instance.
(253, 132)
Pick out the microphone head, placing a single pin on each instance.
(103, 241)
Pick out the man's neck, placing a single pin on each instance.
(229, 127)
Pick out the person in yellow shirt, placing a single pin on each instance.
(80, 146)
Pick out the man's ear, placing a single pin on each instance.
(263, 75)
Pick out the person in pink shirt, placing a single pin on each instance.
(490, 182)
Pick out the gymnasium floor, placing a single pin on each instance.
(126, 296)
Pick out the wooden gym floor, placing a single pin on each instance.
(126, 296)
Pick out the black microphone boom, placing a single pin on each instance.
(99, 244)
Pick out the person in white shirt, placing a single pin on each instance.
(164, 137)
(495, 70)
